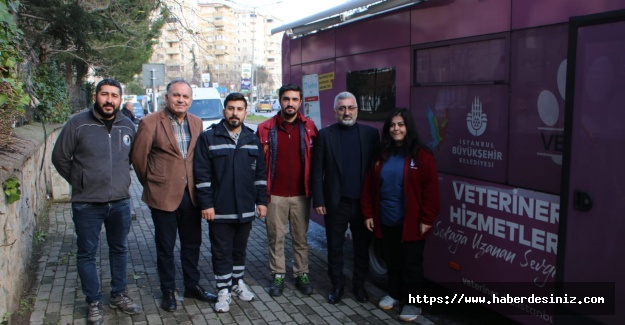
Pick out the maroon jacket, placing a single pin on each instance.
(267, 133)
(421, 196)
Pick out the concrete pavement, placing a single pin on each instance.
(59, 299)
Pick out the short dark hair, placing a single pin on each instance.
(108, 82)
(287, 87)
(234, 96)
(175, 81)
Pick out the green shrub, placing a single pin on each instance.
(53, 95)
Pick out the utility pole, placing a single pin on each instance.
(253, 67)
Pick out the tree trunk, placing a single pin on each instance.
(81, 72)
(69, 73)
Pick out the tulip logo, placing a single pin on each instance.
(476, 119)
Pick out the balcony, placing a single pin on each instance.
(172, 50)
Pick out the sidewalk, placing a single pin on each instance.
(59, 299)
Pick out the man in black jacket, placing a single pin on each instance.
(340, 160)
(92, 153)
(128, 111)
(230, 177)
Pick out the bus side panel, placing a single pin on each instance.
(495, 239)
(538, 79)
(318, 46)
(286, 57)
(467, 128)
(295, 76)
(442, 20)
(295, 51)
(531, 13)
(381, 32)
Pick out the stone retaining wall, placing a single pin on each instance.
(29, 161)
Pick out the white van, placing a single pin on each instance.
(207, 105)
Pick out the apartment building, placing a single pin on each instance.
(218, 38)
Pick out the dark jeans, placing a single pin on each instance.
(228, 248)
(347, 213)
(88, 219)
(186, 221)
(404, 262)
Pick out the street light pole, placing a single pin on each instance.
(253, 67)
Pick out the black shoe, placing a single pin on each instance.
(169, 301)
(277, 286)
(199, 293)
(361, 294)
(335, 295)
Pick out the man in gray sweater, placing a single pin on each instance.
(92, 153)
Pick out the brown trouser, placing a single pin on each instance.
(280, 212)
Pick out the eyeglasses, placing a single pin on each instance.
(349, 108)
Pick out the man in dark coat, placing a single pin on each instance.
(340, 160)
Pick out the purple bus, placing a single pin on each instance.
(522, 103)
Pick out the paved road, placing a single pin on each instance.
(59, 299)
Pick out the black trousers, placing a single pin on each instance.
(186, 221)
(404, 263)
(228, 248)
(347, 214)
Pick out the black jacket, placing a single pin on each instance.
(326, 168)
(230, 177)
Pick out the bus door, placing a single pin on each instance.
(591, 249)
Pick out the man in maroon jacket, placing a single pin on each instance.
(287, 140)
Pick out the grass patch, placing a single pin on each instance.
(27, 305)
(5, 319)
(40, 237)
(251, 117)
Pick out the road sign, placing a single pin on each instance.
(154, 71)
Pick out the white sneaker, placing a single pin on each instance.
(242, 291)
(387, 302)
(409, 313)
(223, 301)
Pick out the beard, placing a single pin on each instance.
(287, 114)
(103, 114)
(347, 123)
(233, 123)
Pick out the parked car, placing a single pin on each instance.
(207, 105)
(263, 106)
(137, 109)
(275, 105)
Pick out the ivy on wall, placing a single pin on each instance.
(12, 94)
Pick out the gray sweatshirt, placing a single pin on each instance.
(96, 163)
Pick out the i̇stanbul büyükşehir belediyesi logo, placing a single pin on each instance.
(475, 152)
(476, 119)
